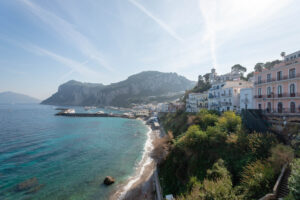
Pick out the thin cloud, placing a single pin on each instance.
(72, 64)
(66, 30)
(162, 24)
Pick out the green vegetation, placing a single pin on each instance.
(268, 65)
(239, 68)
(294, 180)
(213, 157)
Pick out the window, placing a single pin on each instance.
(269, 107)
(279, 91)
(279, 107)
(269, 77)
(269, 91)
(259, 79)
(279, 75)
(259, 92)
(229, 92)
(292, 90)
(293, 107)
(292, 73)
(259, 106)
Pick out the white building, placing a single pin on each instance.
(246, 98)
(162, 107)
(225, 96)
(196, 101)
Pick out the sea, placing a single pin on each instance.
(43, 156)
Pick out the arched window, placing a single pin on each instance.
(279, 91)
(292, 90)
(293, 107)
(279, 107)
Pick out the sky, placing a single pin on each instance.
(46, 43)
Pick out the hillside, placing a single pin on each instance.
(144, 87)
(16, 98)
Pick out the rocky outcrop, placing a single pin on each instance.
(29, 186)
(108, 180)
(142, 87)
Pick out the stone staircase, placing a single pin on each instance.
(283, 189)
(280, 189)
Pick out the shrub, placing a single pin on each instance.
(229, 122)
(217, 185)
(260, 144)
(192, 138)
(294, 180)
(257, 178)
(218, 171)
(280, 155)
(204, 119)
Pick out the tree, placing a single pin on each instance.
(282, 55)
(294, 180)
(250, 75)
(258, 67)
(206, 77)
(270, 65)
(239, 68)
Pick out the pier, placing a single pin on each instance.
(66, 114)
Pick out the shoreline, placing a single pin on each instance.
(140, 184)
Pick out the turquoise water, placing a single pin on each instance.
(70, 157)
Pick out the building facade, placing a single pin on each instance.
(224, 96)
(246, 98)
(277, 90)
(196, 101)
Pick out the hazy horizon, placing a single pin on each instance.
(44, 44)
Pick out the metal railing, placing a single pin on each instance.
(282, 95)
(226, 103)
(281, 110)
(285, 77)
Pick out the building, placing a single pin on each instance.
(225, 96)
(277, 90)
(170, 107)
(196, 101)
(246, 98)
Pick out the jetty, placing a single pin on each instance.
(71, 113)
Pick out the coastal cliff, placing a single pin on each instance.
(143, 87)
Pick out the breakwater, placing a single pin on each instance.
(94, 115)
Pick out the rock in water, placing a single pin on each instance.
(108, 180)
(27, 185)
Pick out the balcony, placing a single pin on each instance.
(286, 77)
(283, 95)
(282, 111)
(226, 103)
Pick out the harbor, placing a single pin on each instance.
(130, 115)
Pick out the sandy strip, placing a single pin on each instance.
(140, 185)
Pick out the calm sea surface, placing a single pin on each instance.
(67, 157)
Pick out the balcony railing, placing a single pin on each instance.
(226, 95)
(226, 103)
(283, 95)
(286, 77)
(282, 111)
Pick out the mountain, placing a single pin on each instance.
(16, 98)
(143, 87)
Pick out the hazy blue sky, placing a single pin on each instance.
(47, 42)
